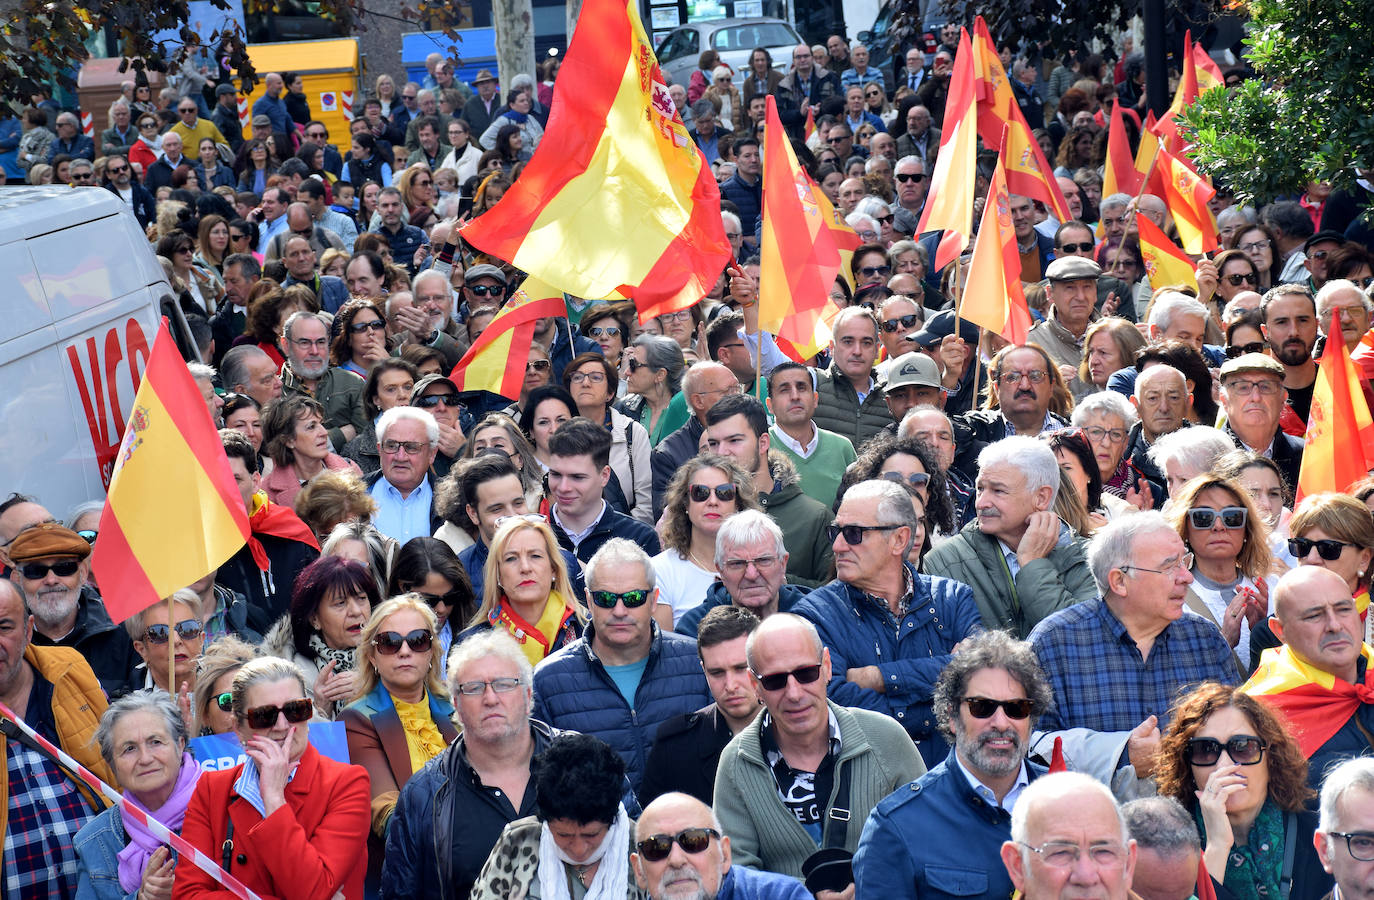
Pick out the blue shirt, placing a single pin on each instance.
(274, 108)
(851, 77)
(400, 517)
(627, 678)
(269, 230)
(1101, 682)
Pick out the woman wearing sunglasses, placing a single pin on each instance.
(526, 591)
(908, 461)
(607, 325)
(652, 375)
(402, 717)
(142, 737)
(1336, 532)
(428, 568)
(295, 439)
(359, 341)
(1231, 561)
(1236, 273)
(1244, 335)
(1229, 760)
(331, 603)
(212, 704)
(152, 629)
(287, 822)
(704, 492)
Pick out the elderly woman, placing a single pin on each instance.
(909, 258)
(332, 499)
(289, 821)
(547, 408)
(526, 591)
(1107, 418)
(363, 543)
(705, 491)
(725, 97)
(592, 381)
(1078, 462)
(142, 737)
(428, 568)
(1108, 344)
(1223, 531)
(212, 703)
(389, 382)
(579, 841)
(295, 439)
(401, 718)
(652, 370)
(331, 603)
(152, 629)
(1249, 806)
(359, 341)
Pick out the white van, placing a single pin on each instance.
(86, 295)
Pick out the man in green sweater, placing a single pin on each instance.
(820, 456)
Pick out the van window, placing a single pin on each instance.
(747, 37)
(683, 42)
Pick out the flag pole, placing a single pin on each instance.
(171, 647)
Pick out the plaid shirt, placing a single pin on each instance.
(1100, 680)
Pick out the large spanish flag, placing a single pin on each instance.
(1164, 262)
(949, 206)
(993, 297)
(1187, 194)
(1317, 704)
(1167, 128)
(174, 513)
(617, 200)
(1340, 431)
(496, 360)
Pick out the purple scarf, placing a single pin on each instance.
(133, 859)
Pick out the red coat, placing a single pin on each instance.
(309, 849)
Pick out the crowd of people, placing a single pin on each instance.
(686, 617)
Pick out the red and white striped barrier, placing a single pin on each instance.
(87, 124)
(162, 832)
(347, 99)
(244, 117)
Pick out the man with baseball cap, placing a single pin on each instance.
(1252, 394)
(956, 355)
(51, 568)
(1315, 251)
(226, 115)
(1071, 283)
(913, 379)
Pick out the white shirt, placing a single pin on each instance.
(796, 446)
(682, 584)
(982, 790)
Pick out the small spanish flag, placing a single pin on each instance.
(1164, 262)
(1187, 194)
(993, 297)
(496, 360)
(1340, 430)
(174, 513)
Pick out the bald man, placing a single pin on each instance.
(1323, 637)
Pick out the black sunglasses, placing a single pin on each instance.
(1243, 749)
(656, 848)
(904, 177)
(186, 629)
(1329, 550)
(1084, 247)
(1241, 278)
(435, 599)
(892, 325)
(35, 571)
(388, 643)
(296, 711)
(483, 290)
(778, 680)
(360, 327)
(854, 534)
(634, 365)
(870, 271)
(632, 599)
(700, 493)
(1238, 350)
(985, 707)
(1232, 517)
(429, 402)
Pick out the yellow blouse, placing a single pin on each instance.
(423, 739)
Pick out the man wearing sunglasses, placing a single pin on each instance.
(1075, 238)
(1345, 834)
(624, 677)
(52, 571)
(305, 337)
(437, 395)
(899, 317)
(1253, 396)
(121, 181)
(948, 826)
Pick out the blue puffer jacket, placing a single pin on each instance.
(909, 653)
(574, 692)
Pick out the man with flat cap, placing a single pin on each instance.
(1253, 397)
(1071, 283)
(51, 568)
(956, 355)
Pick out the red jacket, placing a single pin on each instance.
(309, 849)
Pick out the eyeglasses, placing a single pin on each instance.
(1084, 247)
(589, 377)
(1329, 550)
(778, 680)
(898, 324)
(870, 271)
(1238, 278)
(187, 630)
(740, 566)
(632, 599)
(1063, 855)
(600, 331)
(682, 315)
(1253, 246)
(88, 535)
(388, 643)
(35, 571)
(296, 711)
(1238, 350)
(1036, 376)
(1114, 435)
(1167, 567)
(307, 344)
(656, 848)
(485, 290)
(537, 365)
(1244, 750)
(433, 400)
(700, 493)
(360, 327)
(224, 701)
(1360, 844)
(904, 177)
(915, 479)
(410, 448)
(986, 707)
(1266, 388)
(478, 688)
(854, 534)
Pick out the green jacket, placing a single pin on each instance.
(840, 411)
(340, 392)
(763, 834)
(1041, 587)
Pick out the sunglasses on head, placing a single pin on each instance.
(433, 400)
(656, 848)
(540, 365)
(360, 327)
(903, 322)
(64, 569)
(1244, 750)
(224, 701)
(632, 599)
(778, 680)
(904, 177)
(985, 707)
(1240, 278)
(1084, 247)
(854, 534)
(186, 629)
(296, 712)
(388, 643)
(1238, 350)
(700, 493)
(1232, 517)
(1329, 550)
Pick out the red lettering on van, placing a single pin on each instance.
(100, 396)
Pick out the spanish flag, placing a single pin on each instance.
(1146, 158)
(617, 201)
(1317, 704)
(1184, 95)
(1164, 262)
(174, 513)
(1340, 431)
(1119, 173)
(993, 297)
(496, 360)
(949, 207)
(1187, 194)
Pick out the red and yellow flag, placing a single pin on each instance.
(949, 206)
(1119, 173)
(174, 513)
(993, 297)
(810, 128)
(496, 360)
(1146, 154)
(1209, 74)
(1184, 95)
(1316, 704)
(1186, 194)
(617, 200)
(1164, 262)
(1340, 431)
(798, 256)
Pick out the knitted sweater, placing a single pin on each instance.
(820, 473)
